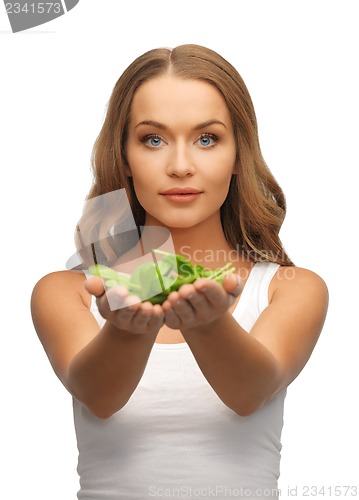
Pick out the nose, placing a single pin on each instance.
(180, 163)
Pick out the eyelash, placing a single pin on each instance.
(213, 137)
(146, 138)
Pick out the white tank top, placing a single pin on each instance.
(175, 438)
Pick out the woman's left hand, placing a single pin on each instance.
(200, 302)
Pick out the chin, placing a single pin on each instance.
(181, 221)
(170, 221)
(178, 225)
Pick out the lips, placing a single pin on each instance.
(184, 190)
(181, 195)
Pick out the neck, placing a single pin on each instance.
(204, 244)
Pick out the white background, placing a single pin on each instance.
(299, 61)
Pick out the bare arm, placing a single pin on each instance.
(99, 367)
(248, 370)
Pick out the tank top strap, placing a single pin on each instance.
(267, 273)
(254, 298)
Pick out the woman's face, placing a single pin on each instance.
(181, 151)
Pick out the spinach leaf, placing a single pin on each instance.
(154, 281)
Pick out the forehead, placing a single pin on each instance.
(168, 98)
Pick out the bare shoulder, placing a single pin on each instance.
(58, 283)
(301, 296)
(298, 282)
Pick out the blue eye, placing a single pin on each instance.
(208, 140)
(205, 141)
(152, 141)
(155, 141)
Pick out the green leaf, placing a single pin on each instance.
(181, 281)
(199, 271)
(111, 283)
(103, 272)
(145, 279)
(110, 276)
(154, 281)
(185, 267)
(167, 265)
(168, 282)
(158, 299)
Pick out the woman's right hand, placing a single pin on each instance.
(127, 312)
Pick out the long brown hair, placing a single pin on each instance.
(255, 207)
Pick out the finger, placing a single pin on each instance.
(214, 293)
(233, 284)
(142, 316)
(178, 303)
(184, 310)
(148, 317)
(171, 319)
(196, 296)
(199, 304)
(172, 298)
(111, 304)
(125, 314)
(119, 298)
(94, 286)
(196, 300)
(157, 318)
(187, 290)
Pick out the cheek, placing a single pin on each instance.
(134, 157)
(144, 166)
(223, 168)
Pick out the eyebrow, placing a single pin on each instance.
(162, 126)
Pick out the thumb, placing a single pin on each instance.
(232, 284)
(95, 286)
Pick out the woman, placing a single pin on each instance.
(184, 398)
